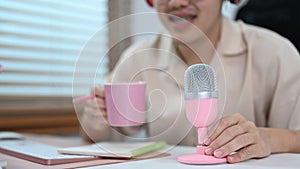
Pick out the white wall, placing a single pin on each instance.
(230, 10)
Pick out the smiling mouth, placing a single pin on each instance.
(182, 22)
(181, 19)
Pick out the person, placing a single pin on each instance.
(261, 113)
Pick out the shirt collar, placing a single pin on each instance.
(232, 41)
(167, 50)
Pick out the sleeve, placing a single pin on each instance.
(285, 105)
(128, 67)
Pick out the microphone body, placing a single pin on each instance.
(201, 94)
(201, 99)
(202, 113)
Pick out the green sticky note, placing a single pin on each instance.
(148, 149)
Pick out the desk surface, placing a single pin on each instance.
(277, 161)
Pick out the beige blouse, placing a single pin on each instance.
(258, 75)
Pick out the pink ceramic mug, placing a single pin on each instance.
(125, 103)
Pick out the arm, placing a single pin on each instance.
(281, 96)
(94, 118)
(282, 140)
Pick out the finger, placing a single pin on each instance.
(225, 137)
(221, 125)
(237, 143)
(242, 155)
(102, 106)
(101, 103)
(94, 108)
(104, 113)
(92, 103)
(98, 91)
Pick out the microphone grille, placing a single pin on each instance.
(200, 78)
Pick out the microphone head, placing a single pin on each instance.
(200, 82)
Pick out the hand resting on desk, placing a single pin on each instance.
(236, 134)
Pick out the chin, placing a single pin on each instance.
(188, 36)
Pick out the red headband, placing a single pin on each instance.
(150, 3)
(235, 1)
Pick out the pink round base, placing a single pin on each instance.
(200, 159)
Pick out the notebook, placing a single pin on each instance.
(38, 152)
(117, 149)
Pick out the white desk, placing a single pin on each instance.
(275, 161)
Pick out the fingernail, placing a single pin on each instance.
(208, 151)
(230, 158)
(206, 141)
(218, 153)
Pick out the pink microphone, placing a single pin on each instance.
(201, 95)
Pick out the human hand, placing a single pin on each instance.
(236, 134)
(94, 126)
(99, 92)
